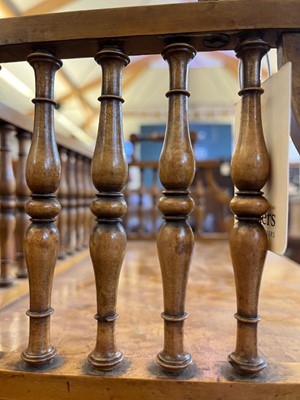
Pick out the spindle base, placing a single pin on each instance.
(7, 281)
(40, 359)
(22, 274)
(243, 367)
(105, 363)
(175, 365)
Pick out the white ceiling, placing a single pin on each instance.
(212, 80)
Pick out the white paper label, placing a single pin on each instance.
(276, 116)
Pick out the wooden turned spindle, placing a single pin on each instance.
(155, 192)
(87, 201)
(7, 204)
(62, 195)
(22, 197)
(109, 173)
(175, 238)
(80, 211)
(72, 203)
(41, 246)
(248, 239)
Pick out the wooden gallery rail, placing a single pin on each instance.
(111, 36)
(74, 193)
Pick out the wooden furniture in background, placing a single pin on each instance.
(22, 197)
(62, 195)
(7, 204)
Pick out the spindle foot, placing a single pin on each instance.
(174, 364)
(40, 359)
(22, 274)
(246, 366)
(105, 363)
(7, 281)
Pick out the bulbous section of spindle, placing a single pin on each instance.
(254, 205)
(109, 207)
(176, 204)
(43, 208)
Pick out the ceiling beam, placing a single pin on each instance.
(74, 89)
(232, 63)
(6, 11)
(46, 6)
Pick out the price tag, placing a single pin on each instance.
(276, 116)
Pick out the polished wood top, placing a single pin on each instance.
(143, 30)
(209, 334)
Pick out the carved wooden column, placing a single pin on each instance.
(7, 204)
(22, 196)
(109, 173)
(80, 214)
(248, 240)
(62, 195)
(42, 238)
(72, 203)
(155, 193)
(87, 200)
(140, 210)
(175, 238)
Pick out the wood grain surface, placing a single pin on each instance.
(209, 334)
(143, 30)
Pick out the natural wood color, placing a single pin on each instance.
(248, 239)
(25, 123)
(46, 6)
(175, 237)
(87, 108)
(231, 64)
(144, 29)
(80, 211)
(72, 203)
(136, 68)
(22, 196)
(209, 334)
(20, 288)
(88, 195)
(289, 50)
(5, 10)
(41, 244)
(7, 204)
(109, 174)
(62, 195)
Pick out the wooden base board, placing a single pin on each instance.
(209, 334)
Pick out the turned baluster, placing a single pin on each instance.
(87, 200)
(42, 237)
(154, 193)
(175, 238)
(91, 196)
(248, 240)
(22, 196)
(7, 204)
(62, 195)
(108, 239)
(80, 203)
(199, 199)
(72, 203)
(141, 210)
